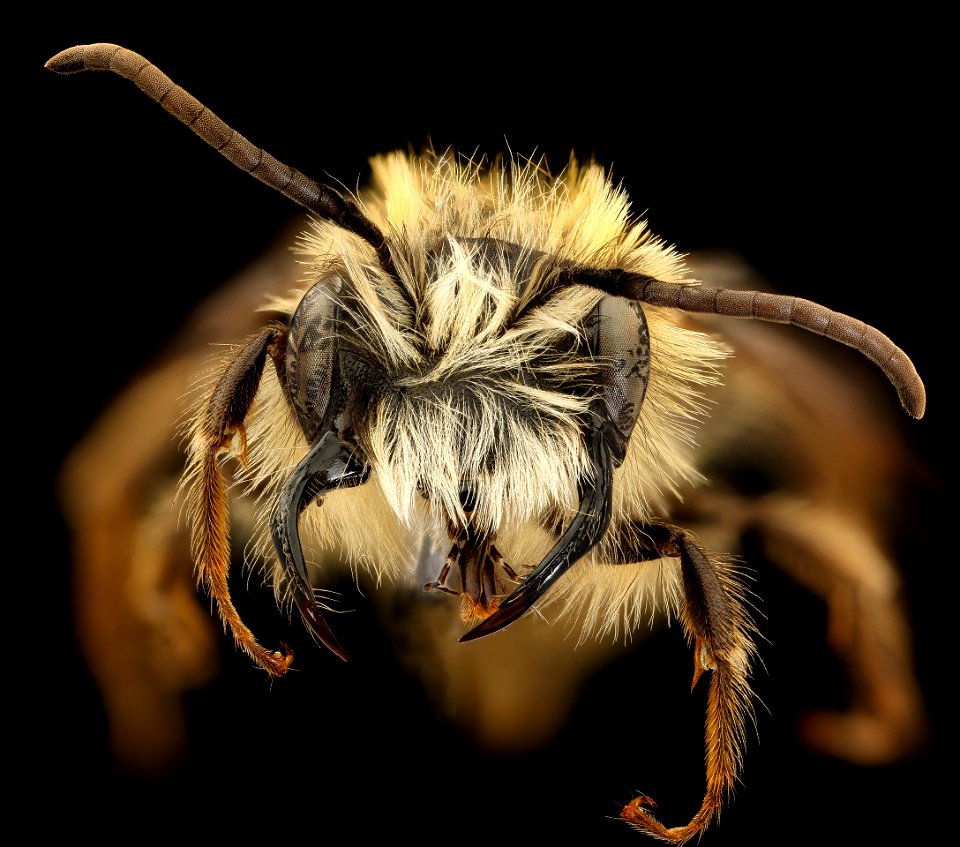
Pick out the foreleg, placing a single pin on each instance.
(717, 624)
(212, 434)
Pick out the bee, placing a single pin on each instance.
(488, 380)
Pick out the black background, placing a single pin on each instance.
(813, 150)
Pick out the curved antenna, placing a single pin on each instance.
(774, 308)
(319, 198)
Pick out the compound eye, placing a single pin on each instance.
(311, 354)
(619, 338)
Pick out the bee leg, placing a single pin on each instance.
(716, 622)
(212, 437)
(328, 465)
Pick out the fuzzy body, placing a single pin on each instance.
(483, 376)
(489, 356)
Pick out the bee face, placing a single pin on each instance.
(493, 347)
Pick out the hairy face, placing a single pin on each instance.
(481, 353)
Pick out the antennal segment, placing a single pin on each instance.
(774, 308)
(319, 198)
